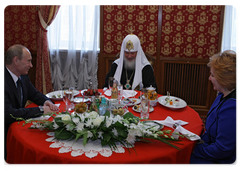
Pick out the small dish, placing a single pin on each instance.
(174, 105)
(131, 101)
(151, 109)
(57, 95)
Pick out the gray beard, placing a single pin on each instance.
(129, 65)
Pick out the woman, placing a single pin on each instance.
(218, 143)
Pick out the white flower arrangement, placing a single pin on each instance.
(108, 128)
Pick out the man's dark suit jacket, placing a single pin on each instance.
(11, 105)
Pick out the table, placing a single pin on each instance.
(29, 146)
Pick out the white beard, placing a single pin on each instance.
(129, 65)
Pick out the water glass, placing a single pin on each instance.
(71, 105)
(145, 104)
(120, 92)
(67, 96)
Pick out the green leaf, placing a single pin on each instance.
(122, 132)
(62, 133)
(85, 138)
(128, 115)
(58, 121)
(107, 113)
(106, 136)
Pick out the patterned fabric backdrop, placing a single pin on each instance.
(187, 31)
(119, 20)
(20, 26)
(190, 31)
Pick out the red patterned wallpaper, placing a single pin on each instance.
(190, 31)
(21, 26)
(187, 31)
(118, 20)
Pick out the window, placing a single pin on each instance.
(229, 29)
(73, 28)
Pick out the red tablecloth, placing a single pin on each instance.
(29, 146)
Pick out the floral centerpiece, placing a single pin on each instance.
(126, 129)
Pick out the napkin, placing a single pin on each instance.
(126, 93)
(177, 125)
(107, 92)
(129, 93)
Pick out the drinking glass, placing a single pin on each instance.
(67, 95)
(71, 104)
(145, 104)
(120, 92)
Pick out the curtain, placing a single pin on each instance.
(229, 29)
(73, 43)
(43, 74)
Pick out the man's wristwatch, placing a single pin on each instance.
(41, 108)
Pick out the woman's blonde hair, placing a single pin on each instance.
(224, 66)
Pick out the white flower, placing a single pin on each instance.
(89, 134)
(37, 125)
(79, 127)
(115, 132)
(155, 135)
(70, 127)
(93, 114)
(82, 116)
(66, 118)
(89, 123)
(55, 126)
(97, 121)
(108, 122)
(75, 120)
(131, 138)
(135, 132)
(100, 135)
(117, 118)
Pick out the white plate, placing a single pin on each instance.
(134, 101)
(58, 94)
(181, 104)
(80, 99)
(151, 109)
(82, 92)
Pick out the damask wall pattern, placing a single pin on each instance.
(120, 20)
(190, 31)
(20, 26)
(187, 31)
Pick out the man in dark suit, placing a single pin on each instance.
(18, 88)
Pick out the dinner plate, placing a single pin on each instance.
(180, 105)
(80, 99)
(82, 92)
(57, 95)
(133, 101)
(151, 109)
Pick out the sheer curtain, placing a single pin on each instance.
(229, 29)
(74, 44)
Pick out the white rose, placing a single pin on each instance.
(66, 118)
(97, 121)
(93, 114)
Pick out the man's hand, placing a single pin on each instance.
(51, 106)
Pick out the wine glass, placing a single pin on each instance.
(67, 95)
